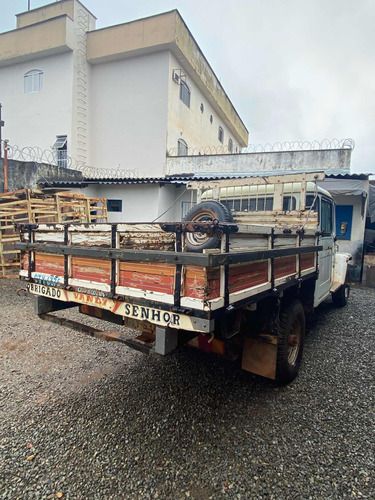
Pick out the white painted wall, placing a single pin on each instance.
(36, 118)
(190, 124)
(141, 202)
(128, 114)
(355, 244)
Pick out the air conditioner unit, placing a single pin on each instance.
(175, 77)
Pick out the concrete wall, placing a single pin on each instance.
(262, 162)
(28, 174)
(36, 118)
(190, 123)
(128, 121)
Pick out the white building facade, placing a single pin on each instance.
(119, 98)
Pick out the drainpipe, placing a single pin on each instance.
(6, 166)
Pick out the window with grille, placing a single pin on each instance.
(60, 145)
(33, 81)
(185, 93)
(182, 149)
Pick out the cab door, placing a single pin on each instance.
(325, 256)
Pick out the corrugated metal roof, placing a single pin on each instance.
(203, 176)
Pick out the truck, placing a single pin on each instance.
(235, 277)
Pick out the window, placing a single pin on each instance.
(60, 145)
(182, 148)
(230, 146)
(249, 204)
(185, 93)
(211, 118)
(289, 203)
(202, 107)
(114, 205)
(221, 134)
(326, 218)
(33, 81)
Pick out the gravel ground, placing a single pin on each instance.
(82, 418)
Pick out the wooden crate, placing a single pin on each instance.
(27, 206)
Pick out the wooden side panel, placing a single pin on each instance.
(95, 270)
(46, 263)
(307, 261)
(246, 276)
(91, 238)
(201, 283)
(278, 219)
(147, 276)
(152, 240)
(284, 266)
(25, 262)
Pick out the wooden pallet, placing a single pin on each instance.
(35, 206)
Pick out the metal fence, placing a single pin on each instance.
(270, 148)
(61, 159)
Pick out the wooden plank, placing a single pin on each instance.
(94, 270)
(307, 261)
(284, 266)
(257, 181)
(48, 264)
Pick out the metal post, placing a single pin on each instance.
(6, 166)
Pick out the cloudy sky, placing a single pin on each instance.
(295, 70)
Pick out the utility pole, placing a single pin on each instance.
(1, 126)
(28, 4)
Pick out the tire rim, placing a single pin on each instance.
(294, 343)
(198, 239)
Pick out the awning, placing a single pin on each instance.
(348, 187)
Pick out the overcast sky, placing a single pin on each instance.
(295, 70)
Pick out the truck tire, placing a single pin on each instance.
(205, 212)
(291, 337)
(341, 296)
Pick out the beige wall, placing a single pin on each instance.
(190, 123)
(44, 13)
(50, 37)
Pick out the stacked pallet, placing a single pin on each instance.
(28, 206)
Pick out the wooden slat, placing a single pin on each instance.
(94, 270)
(49, 264)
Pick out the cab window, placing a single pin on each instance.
(326, 217)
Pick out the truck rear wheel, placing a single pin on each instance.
(291, 337)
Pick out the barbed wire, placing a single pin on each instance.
(36, 154)
(270, 148)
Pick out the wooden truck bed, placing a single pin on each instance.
(141, 271)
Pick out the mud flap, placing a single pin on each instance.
(259, 356)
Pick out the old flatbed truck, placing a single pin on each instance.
(234, 278)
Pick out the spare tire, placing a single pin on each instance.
(205, 212)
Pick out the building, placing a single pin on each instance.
(119, 98)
